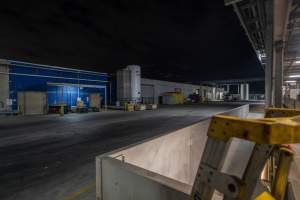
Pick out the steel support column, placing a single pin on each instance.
(213, 93)
(278, 73)
(246, 91)
(242, 91)
(269, 53)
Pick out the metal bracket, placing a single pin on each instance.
(281, 112)
(268, 134)
(224, 183)
(261, 131)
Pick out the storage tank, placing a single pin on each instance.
(129, 84)
(135, 71)
(123, 85)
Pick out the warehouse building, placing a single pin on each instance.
(152, 90)
(28, 88)
(132, 88)
(34, 89)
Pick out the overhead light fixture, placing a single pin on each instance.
(297, 62)
(295, 76)
(290, 81)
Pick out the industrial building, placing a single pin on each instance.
(132, 88)
(272, 27)
(152, 90)
(33, 88)
(220, 150)
(29, 88)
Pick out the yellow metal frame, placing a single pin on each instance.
(261, 131)
(281, 112)
(285, 159)
(281, 126)
(265, 196)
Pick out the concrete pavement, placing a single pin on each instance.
(52, 157)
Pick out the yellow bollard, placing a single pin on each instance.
(62, 110)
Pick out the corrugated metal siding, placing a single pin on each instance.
(33, 77)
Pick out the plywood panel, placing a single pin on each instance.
(95, 100)
(32, 103)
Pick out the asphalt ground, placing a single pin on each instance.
(53, 157)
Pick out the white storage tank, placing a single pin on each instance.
(135, 71)
(129, 84)
(123, 85)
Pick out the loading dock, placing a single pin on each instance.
(62, 86)
(68, 94)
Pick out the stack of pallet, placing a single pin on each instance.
(129, 107)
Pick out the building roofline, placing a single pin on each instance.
(55, 67)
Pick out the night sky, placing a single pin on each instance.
(187, 40)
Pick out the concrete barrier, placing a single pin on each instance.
(164, 167)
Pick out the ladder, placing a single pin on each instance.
(269, 155)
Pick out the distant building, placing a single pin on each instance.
(29, 88)
(32, 88)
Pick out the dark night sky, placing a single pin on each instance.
(187, 40)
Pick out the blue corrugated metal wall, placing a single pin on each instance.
(69, 94)
(35, 77)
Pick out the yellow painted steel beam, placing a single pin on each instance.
(281, 112)
(261, 131)
(265, 196)
(281, 178)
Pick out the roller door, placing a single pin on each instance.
(147, 94)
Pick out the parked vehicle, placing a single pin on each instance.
(232, 97)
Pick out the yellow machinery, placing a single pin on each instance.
(281, 126)
(129, 107)
(62, 110)
(173, 98)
